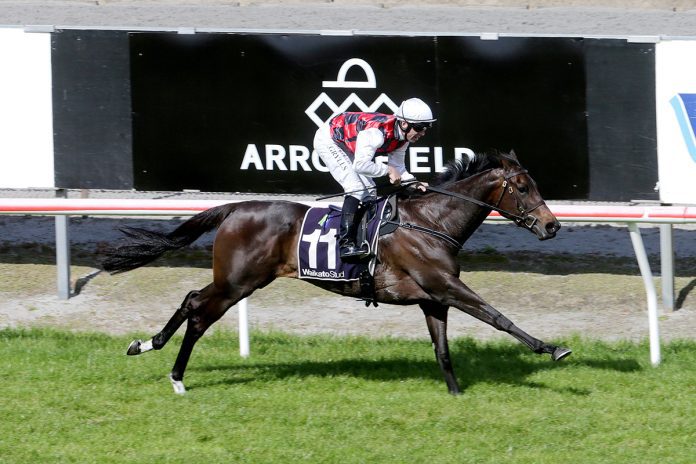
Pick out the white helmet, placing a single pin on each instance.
(414, 110)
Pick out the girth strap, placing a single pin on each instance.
(434, 233)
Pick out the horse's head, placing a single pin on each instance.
(519, 199)
(499, 182)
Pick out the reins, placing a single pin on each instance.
(474, 200)
(526, 220)
(519, 220)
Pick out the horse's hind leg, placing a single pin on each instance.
(158, 341)
(213, 305)
(436, 318)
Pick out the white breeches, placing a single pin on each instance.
(341, 166)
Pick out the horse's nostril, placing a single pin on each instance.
(552, 227)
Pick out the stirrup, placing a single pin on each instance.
(351, 253)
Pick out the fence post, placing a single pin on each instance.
(62, 257)
(62, 252)
(243, 328)
(667, 266)
(644, 266)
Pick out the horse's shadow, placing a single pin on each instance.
(683, 293)
(479, 364)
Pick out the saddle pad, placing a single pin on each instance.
(317, 251)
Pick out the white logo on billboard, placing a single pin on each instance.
(295, 157)
(370, 82)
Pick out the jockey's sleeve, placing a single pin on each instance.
(366, 145)
(396, 160)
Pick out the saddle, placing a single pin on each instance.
(388, 219)
(318, 254)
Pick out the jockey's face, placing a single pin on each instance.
(413, 131)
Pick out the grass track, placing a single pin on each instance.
(77, 398)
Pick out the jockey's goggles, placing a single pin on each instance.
(420, 126)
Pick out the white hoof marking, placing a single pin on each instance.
(138, 347)
(146, 346)
(178, 385)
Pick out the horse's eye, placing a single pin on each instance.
(523, 189)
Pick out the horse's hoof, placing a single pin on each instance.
(560, 353)
(134, 348)
(178, 385)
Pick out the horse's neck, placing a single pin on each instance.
(465, 217)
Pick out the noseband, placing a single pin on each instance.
(525, 219)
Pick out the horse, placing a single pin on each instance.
(256, 242)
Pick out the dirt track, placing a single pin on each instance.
(589, 286)
(585, 281)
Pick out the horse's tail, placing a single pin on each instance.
(144, 246)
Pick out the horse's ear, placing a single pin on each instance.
(513, 155)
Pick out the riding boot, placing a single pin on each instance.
(350, 220)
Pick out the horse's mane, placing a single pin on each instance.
(459, 169)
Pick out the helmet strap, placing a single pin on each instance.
(401, 128)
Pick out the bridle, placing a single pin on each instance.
(526, 219)
(523, 219)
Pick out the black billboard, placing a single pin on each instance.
(236, 112)
(92, 141)
(231, 112)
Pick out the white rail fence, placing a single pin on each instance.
(631, 216)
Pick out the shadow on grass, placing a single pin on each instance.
(475, 364)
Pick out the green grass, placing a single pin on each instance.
(77, 398)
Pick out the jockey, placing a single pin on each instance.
(348, 143)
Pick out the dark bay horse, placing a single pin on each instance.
(256, 242)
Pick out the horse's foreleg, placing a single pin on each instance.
(158, 341)
(463, 298)
(436, 318)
